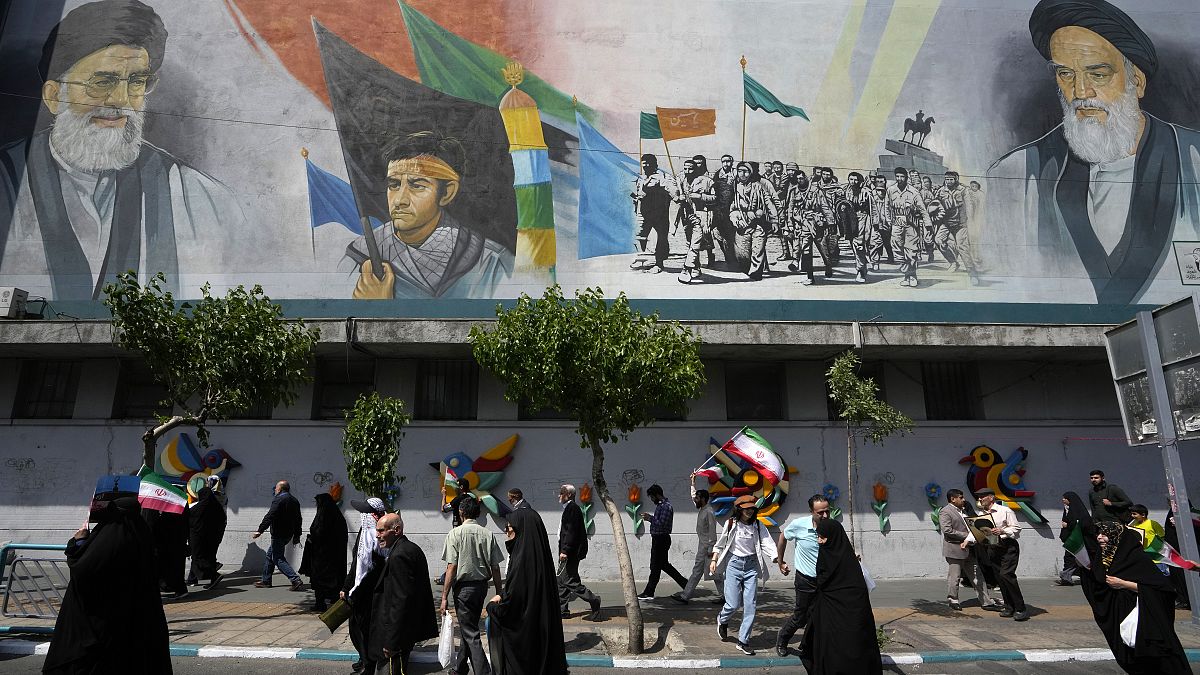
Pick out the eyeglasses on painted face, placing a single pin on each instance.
(102, 85)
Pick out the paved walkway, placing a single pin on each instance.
(911, 612)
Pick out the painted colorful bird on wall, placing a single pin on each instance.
(482, 474)
(180, 460)
(1006, 478)
(731, 475)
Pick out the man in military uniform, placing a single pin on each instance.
(953, 235)
(652, 205)
(936, 215)
(908, 214)
(697, 198)
(792, 201)
(881, 222)
(828, 193)
(863, 200)
(724, 183)
(754, 208)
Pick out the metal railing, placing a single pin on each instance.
(33, 587)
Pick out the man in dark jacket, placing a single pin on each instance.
(283, 521)
(366, 566)
(572, 547)
(402, 604)
(1109, 502)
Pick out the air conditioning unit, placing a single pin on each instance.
(12, 302)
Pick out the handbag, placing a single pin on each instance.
(336, 615)
(1129, 626)
(446, 641)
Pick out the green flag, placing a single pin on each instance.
(650, 128)
(459, 67)
(759, 97)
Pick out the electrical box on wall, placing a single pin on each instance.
(12, 302)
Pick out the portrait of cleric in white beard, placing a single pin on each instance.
(1088, 211)
(88, 196)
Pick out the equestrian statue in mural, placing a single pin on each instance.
(919, 127)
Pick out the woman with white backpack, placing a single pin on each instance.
(743, 551)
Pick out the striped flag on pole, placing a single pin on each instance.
(157, 494)
(1074, 546)
(755, 449)
(1161, 550)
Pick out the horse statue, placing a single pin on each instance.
(919, 127)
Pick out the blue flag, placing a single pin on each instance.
(606, 176)
(330, 200)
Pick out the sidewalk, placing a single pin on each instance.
(240, 620)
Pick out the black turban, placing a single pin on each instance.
(1101, 18)
(96, 25)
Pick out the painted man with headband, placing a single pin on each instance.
(426, 251)
(1105, 192)
(88, 197)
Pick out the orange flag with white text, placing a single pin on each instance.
(686, 122)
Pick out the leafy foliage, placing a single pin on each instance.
(371, 444)
(858, 403)
(215, 357)
(604, 363)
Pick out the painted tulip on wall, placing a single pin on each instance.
(880, 492)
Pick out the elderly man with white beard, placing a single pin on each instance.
(88, 198)
(1087, 213)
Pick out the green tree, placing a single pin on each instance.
(859, 407)
(371, 445)
(215, 357)
(608, 367)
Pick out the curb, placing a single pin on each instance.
(28, 648)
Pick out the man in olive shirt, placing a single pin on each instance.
(1109, 502)
(472, 555)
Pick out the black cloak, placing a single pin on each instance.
(525, 630)
(840, 636)
(1078, 512)
(206, 529)
(402, 612)
(1156, 650)
(111, 620)
(324, 558)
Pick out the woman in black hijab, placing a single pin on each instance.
(840, 636)
(111, 620)
(206, 525)
(524, 625)
(1126, 578)
(325, 553)
(1077, 513)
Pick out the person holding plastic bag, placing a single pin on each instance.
(1134, 605)
(840, 636)
(743, 550)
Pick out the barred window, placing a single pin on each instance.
(138, 395)
(872, 370)
(951, 390)
(447, 389)
(47, 389)
(755, 390)
(339, 383)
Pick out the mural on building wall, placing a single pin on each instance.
(180, 461)
(1004, 477)
(1046, 154)
(483, 474)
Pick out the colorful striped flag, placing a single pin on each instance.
(1074, 546)
(1160, 549)
(156, 494)
(755, 449)
(536, 247)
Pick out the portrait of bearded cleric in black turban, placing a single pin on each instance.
(1088, 211)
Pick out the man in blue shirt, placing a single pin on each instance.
(802, 531)
(661, 523)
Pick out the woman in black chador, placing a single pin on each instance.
(840, 636)
(1077, 513)
(111, 620)
(325, 553)
(206, 529)
(1126, 578)
(525, 627)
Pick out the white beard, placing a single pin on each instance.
(90, 148)
(1097, 142)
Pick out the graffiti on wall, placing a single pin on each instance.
(449, 152)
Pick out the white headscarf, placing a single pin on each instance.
(368, 542)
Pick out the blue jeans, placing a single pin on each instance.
(741, 586)
(275, 557)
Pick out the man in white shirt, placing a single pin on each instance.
(1005, 554)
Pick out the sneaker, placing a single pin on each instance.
(745, 648)
(644, 597)
(994, 607)
(1006, 613)
(655, 269)
(297, 585)
(262, 584)
(678, 597)
(807, 281)
(684, 277)
(954, 604)
(781, 650)
(723, 631)
(862, 278)
(1020, 616)
(213, 583)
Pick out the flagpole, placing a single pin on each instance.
(743, 62)
(312, 235)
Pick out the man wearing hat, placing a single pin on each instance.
(1005, 553)
(88, 198)
(1097, 201)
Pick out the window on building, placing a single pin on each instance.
(447, 389)
(258, 411)
(755, 390)
(866, 369)
(138, 395)
(339, 383)
(951, 390)
(47, 389)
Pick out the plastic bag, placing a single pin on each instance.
(446, 641)
(867, 577)
(1129, 626)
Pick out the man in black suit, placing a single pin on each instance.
(402, 605)
(572, 547)
(283, 520)
(516, 499)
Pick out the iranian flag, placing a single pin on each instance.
(755, 449)
(1074, 546)
(157, 494)
(1159, 548)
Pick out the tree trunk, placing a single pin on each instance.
(632, 609)
(850, 484)
(150, 438)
